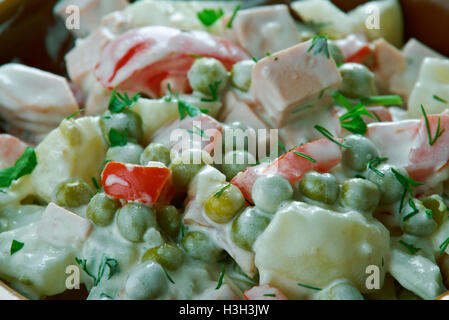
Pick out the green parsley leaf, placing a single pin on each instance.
(407, 183)
(414, 212)
(119, 102)
(213, 89)
(222, 274)
(234, 13)
(111, 263)
(255, 60)
(342, 100)
(95, 183)
(117, 139)
(218, 194)
(410, 247)
(280, 144)
(438, 133)
(439, 99)
(319, 46)
(188, 108)
(269, 295)
(23, 166)
(304, 156)
(198, 131)
(444, 245)
(168, 276)
(353, 121)
(330, 136)
(308, 286)
(373, 163)
(75, 114)
(382, 100)
(16, 246)
(209, 16)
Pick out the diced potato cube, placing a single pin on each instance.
(388, 15)
(433, 81)
(314, 246)
(63, 228)
(76, 149)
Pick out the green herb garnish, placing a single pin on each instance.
(439, 99)
(410, 247)
(304, 156)
(281, 145)
(330, 136)
(118, 139)
(342, 100)
(444, 245)
(23, 166)
(414, 212)
(373, 163)
(119, 102)
(438, 133)
(308, 286)
(269, 295)
(222, 274)
(213, 89)
(407, 183)
(187, 108)
(382, 100)
(168, 276)
(16, 246)
(255, 59)
(218, 194)
(234, 13)
(111, 263)
(198, 131)
(353, 121)
(95, 183)
(75, 114)
(319, 46)
(209, 16)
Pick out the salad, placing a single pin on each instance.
(211, 150)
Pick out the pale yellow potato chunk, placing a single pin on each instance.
(314, 246)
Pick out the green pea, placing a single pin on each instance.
(340, 290)
(235, 162)
(269, 191)
(205, 72)
(183, 173)
(129, 153)
(168, 219)
(72, 193)
(223, 205)
(247, 227)
(125, 120)
(133, 220)
(146, 282)
(200, 246)
(322, 187)
(438, 207)
(390, 188)
(101, 209)
(361, 152)
(358, 81)
(155, 152)
(336, 53)
(417, 222)
(360, 194)
(241, 74)
(167, 255)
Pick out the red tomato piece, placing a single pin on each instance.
(141, 59)
(136, 183)
(292, 166)
(264, 292)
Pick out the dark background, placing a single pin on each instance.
(27, 27)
